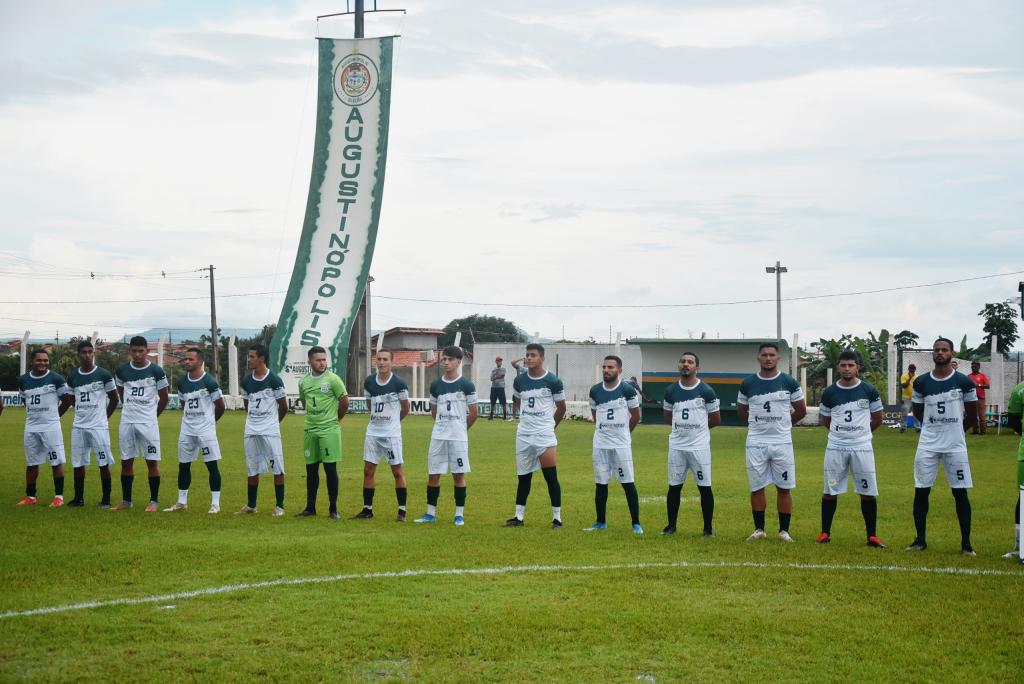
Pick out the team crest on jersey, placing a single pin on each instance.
(325, 389)
(955, 393)
(863, 403)
(355, 79)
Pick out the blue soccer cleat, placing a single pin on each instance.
(459, 522)
(637, 529)
(596, 527)
(427, 518)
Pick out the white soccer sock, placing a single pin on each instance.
(556, 512)
(401, 508)
(215, 498)
(520, 511)
(459, 510)
(431, 510)
(183, 497)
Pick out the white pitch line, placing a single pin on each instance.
(502, 570)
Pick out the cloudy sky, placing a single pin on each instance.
(576, 153)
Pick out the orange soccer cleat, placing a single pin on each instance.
(27, 501)
(57, 502)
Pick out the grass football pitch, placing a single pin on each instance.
(197, 597)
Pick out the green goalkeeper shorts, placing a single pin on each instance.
(322, 447)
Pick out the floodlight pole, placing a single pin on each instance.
(778, 269)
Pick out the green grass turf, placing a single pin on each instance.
(765, 622)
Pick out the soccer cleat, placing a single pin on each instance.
(556, 524)
(637, 530)
(968, 551)
(513, 522)
(875, 543)
(459, 521)
(823, 538)
(105, 506)
(214, 508)
(305, 513)
(710, 533)
(123, 506)
(366, 514)
(278, 512)
(426, 518)
(335, 516)
(401, 516)
(177, 506)
(246, 510)
(596, 527)
(75, 503)
(57, 502)
(151, 507)
(28, 501)
(784, 536)
(758, 534)
(1015, 553)
(669, 529)
(916, 545)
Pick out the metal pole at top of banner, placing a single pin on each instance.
(360, 33)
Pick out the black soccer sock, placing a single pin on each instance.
(126, 487)
(154, 487)
(184, 476)
(554, 489)
(253, 491)
(672, 503)
(828, 511)
(312, 485)
(331, 475)
(433, 494)
(963, 516)
(368, 497)
(460, 496)
(80, 487)
(869, 509)
(784, 519)
(523, 489)
(401, 493)
(105, 485)
(707, 507)
(601, 501)
(758, 520)
(279, 495)
(58, 485)
(30, 489)
(921, 511)
(633, 501)
(215, 480)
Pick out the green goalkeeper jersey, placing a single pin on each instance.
(321, 395)
(1016, 407)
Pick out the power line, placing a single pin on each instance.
(136, 301)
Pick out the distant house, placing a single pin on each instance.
(409, 339)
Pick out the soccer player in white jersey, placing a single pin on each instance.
(266, 405)
(692, 408)
(615, 409)
(945, 406)
(453, 408)
(387, 396)
(852, 410)
(539, 398)
(47, 397)
(202, 405)
(770, 402)
(94, 396)
(142, 388)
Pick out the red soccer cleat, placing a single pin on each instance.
(57, 502)
(875, 543)
(27, 501)
(823, 538)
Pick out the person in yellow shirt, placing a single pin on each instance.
(907, 386)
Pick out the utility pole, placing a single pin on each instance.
(778, 269)
(359, 33)
(213, 322)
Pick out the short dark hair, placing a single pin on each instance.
(261, 351)
(943, 339)
(138, 341)
(385, 350)
(84, 344)
(536, 346)
(695, 357)
(452, 352)
(766, 345)
(315, 350)
(194, 350)
(616, 359)
(849, 355)
(37, 351)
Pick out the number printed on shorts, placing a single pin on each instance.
(53, 456)
(785, 475)
(700, 475)
(460, 462)
(863, 483)
(960, 475)
(151, 449)
(622, 473)
(205, 451)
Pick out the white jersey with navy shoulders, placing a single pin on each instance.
(262, 396)
(90, 391)
(384, 400)
(943, 426)
(41, 395)
(197, 399)
(611, 407)
(141, 388)
(850, 410)
(537, 398)
(452, 399)
(690, 407)
(770, 402)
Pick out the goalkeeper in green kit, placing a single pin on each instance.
(326, 400)
(1014, 409)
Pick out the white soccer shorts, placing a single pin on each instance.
(139, 439)
(263, 454)
(86, 440)
(682, 461)
(44, 447)
(447, 454)
(190, 447)
(771, 464)
(529, 449)
(383, 449)
(841, 463)
(613, 462)
(958, 470)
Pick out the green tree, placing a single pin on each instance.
(906, 340)
(1001, 321)
(481, 328)
(10, 368)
